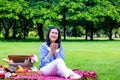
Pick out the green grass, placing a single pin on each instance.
(101, 56)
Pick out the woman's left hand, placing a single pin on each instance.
(54, 47)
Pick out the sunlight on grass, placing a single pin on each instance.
(101, 56)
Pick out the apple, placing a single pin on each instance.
(26, 69)
(2, 74)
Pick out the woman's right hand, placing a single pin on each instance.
(53, 47)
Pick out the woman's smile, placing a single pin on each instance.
(53, 35)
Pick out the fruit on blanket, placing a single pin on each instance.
(29, 70)
(6, 60)
(20, 69)
(13, 74)
(1, 66)
(2, 74)
(26, 69)
(7, 68)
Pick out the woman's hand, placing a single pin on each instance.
(54, 47)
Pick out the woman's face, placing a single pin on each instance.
(53, 35)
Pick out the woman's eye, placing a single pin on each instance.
(52, 32)
(55, 33)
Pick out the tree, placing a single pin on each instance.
(65, 9)
(42, 14)
(88, 15)
(7, 16)
(110, 18)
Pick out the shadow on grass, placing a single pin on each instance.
(90, 40)
(67, 40)
(22, 40)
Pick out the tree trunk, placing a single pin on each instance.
(110, 33)
(64, 25)
(86, 33)
(24, 32)
(7, 24)
(6, 33)
(40, 31)
(91, 35)
(14, 31)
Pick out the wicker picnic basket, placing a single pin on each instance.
(20, 60)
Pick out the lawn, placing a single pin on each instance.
(101, 56)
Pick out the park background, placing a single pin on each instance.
(90, 31)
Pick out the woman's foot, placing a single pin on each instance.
(75, 77)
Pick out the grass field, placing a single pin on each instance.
(101, 56)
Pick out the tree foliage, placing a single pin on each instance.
(20, 16)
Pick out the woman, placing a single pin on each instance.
(52, 57)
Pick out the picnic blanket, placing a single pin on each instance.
(84, 74)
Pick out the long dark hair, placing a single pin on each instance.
(57, 41)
